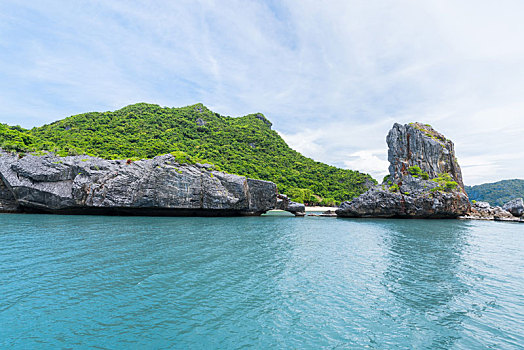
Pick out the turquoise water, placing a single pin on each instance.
(268, 282)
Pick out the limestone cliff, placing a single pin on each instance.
(425, 180)
(158, 186)
(418, 144)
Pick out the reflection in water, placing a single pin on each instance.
(424, 277)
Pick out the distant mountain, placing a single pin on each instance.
(497, 193)
(245, 146)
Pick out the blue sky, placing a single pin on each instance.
(332, 76)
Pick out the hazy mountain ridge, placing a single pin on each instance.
(497, 193)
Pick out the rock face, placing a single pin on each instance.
(284, 203)
(484, 211)
(424, 179)
(417, 144)
(7, 200)
(158, 186)
(515, 207)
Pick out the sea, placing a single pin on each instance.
(270, 282)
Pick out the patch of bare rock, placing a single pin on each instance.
(511, 211)
(159, 186)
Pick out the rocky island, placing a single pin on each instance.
(424, 181)
(161, 186)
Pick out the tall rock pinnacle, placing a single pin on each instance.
(424, 179)
(417, 144)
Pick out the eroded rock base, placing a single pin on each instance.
(8, 202)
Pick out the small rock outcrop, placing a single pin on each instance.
(158, 186)
(515, 207)
(484, 211)
(284, 203)
(424, 180)
(329, 213)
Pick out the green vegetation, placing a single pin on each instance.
(328, 202)
(415, 171)
(245, 146)
(14, 138)
(445, 183)
(394, 188)
(307, 197)
(183, 157)
(497, 193)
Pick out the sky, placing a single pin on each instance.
(332, 76)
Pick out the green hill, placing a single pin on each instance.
(497, 193)
(245, 146)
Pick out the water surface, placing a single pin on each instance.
(267, 282)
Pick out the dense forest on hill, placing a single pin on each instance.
(497, 193)
(245, 146)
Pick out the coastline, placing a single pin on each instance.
(310, 209)
(322, 209)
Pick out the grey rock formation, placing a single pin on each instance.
(382, 203)
(425, 180)
(284, 203)
(298, 209)
(7, 200)
(417, 144)
(515, 207)
(158, 186)
(480, 205)
(484, 211)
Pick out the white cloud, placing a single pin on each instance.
(370, 161)
(332, 77)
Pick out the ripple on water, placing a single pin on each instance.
(268, 282)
